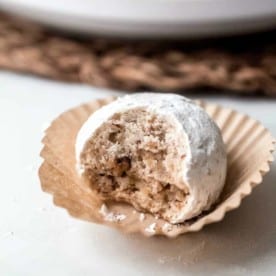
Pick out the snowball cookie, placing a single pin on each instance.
(161, 153)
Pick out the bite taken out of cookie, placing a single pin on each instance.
(161, 153)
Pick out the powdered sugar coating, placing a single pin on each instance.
(204, 168)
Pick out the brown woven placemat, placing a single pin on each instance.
(240, 64)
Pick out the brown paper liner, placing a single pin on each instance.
(249, 152)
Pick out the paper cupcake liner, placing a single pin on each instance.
(249, 153)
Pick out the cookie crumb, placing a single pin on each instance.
(103, 210)
(110, 216)
(151, 228)
(142, 217)
(167, 227)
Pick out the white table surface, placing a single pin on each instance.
(37, 238)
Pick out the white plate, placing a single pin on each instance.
(149, 18)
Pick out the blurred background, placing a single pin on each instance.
(144, 45)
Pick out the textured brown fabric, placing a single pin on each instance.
(246, 65)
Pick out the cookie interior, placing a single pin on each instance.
(137, 157)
